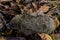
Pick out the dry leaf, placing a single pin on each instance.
(50, 13)
(44, 36)
(56, 22)
(44, 8)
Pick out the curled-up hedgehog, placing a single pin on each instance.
(29, 24)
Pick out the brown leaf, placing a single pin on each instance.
(44, 8)
(44, 36)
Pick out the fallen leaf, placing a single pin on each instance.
(44, 36)
(44, 8)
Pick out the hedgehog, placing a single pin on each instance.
(29, 24)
